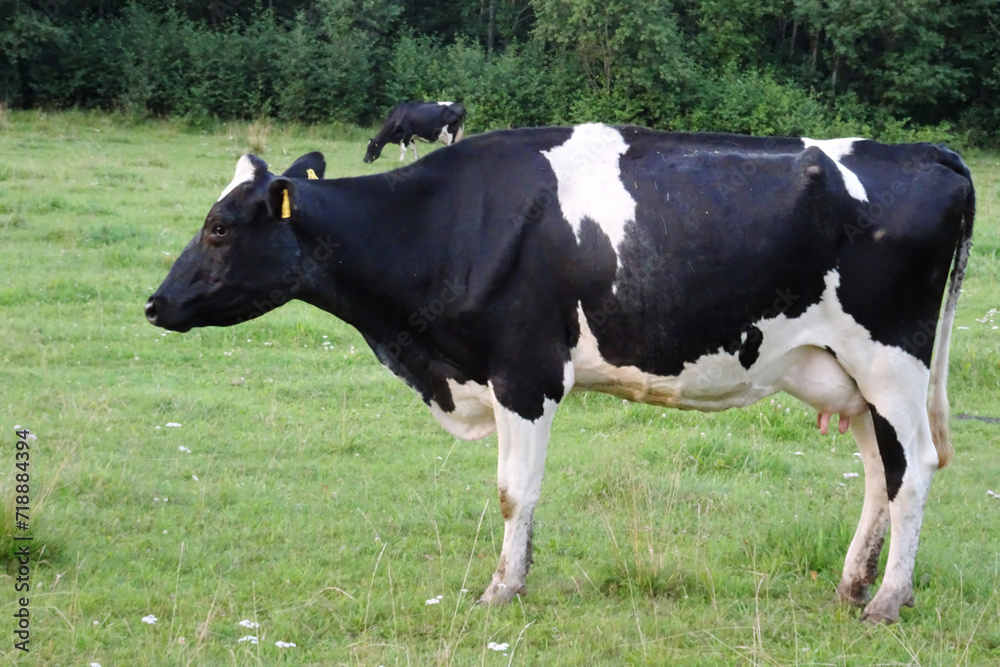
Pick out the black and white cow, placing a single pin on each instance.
(692, 271)
(427, 121)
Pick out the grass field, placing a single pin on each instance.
(307, 490)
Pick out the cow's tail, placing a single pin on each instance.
(937, 399)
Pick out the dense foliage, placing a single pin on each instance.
(882, 67)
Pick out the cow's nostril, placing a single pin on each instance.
(151, 310)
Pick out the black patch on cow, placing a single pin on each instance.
(704, 261)
(750, 347)
(830, 350)
(899, 244)
(389, 357)
(513, 319)
(893, 458)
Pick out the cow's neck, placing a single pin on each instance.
(369, 238)
(392, 275)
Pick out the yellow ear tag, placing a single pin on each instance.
(312, 175)
(286, 207)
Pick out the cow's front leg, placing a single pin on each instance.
(402, 153)
(861, 564)
(523, 441)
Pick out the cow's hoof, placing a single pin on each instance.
(876, 617)
(878, 612)
(498, 593)
(855, 594)
(885, 606)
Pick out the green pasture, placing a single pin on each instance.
(309, 491)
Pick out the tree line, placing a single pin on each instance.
(895, 69)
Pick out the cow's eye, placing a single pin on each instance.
(219, 230)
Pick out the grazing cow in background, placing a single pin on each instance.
(693, 271)
(427, 121)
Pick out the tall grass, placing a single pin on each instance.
(257, 133)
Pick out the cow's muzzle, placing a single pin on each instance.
(163, 312)
(159, 313)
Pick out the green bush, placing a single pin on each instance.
(230, 72)
(727, 65)
(521, 87)
(752, 102)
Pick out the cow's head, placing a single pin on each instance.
(240, 265)
(374, 150)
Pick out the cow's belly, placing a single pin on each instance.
(714, 382)
(795, 355)
(787, 362)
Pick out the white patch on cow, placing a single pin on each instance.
(402, 147)
(472, 417)
(245, 173)
(589, 180)
(446, 137)
(836, 149)
(569, 378)
(716, 381)
(446, 104)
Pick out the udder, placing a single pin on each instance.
(818, 380)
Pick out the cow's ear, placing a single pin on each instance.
(313, 162)
(280, 199)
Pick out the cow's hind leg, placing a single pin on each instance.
(909, 459)
(522, 446)
(861, 564)
(817, 378)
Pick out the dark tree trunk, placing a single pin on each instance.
(492, 29)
